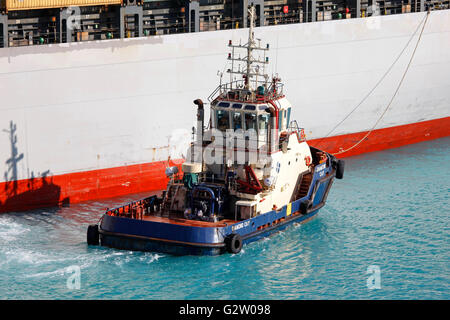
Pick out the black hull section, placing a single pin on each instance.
(125, 242)
(129, 242)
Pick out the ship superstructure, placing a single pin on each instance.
(43, 22)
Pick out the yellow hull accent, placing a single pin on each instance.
(288, 209)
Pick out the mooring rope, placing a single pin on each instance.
(424, 21)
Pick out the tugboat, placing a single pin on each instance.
(249, 173)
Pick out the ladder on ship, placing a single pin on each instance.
(304, 185)
(169, 200)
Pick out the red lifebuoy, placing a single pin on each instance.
(307, 160)
(302, 135)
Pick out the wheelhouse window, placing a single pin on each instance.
(237, 120)
(263, 121)
(250, 121)
(280, 119)
(288, 116)
(224, 104)
(222, 120)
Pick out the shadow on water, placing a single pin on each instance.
(33, 192)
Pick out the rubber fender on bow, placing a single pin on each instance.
(93, 235)
(340, 169)
(304, 206)
(233, 243)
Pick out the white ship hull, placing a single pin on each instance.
(100, 119)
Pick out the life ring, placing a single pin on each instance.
(302, 135)
(308, 161)
(233, 243)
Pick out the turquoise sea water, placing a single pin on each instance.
(389, 213)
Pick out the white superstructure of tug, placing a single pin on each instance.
(251, 134)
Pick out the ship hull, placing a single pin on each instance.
(381, 139)
(137, 235)
(124, 241)
(92, 120)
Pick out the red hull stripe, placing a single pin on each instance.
(81, 186)
(104, 183)
(386, 138)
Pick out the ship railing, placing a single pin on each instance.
(276, 89)
(225, 87)
(136, 209)
(176, 178)
(235, 90)
(294, 128)
(211, 177)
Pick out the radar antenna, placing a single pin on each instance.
(255, 67)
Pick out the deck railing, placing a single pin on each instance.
(235, 90)
(294, 127)
(136, 209)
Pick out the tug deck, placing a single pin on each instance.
(188, 222)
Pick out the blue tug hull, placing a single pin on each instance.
(178, 239)
(142, 243)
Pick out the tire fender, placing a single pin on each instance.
(233, 243)
(93, 235)
(340, 169)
